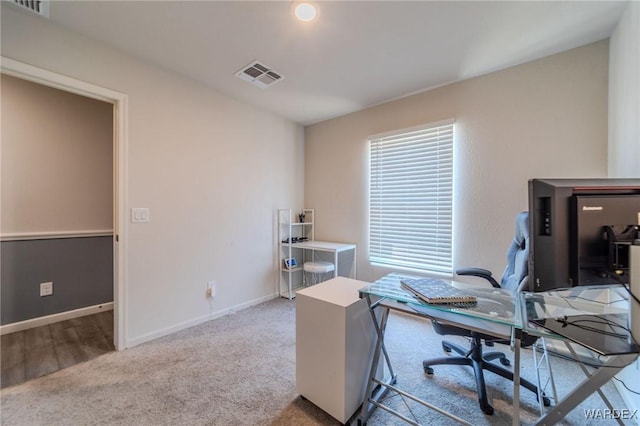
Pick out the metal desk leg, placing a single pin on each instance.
(588, 386)
(588, 374)
(517, 335)
(377, 389)
(355, 263)
(374, 393)
(538, 364)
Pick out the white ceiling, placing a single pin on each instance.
(355, 55)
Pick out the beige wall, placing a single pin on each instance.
(211, 170)
(57, 160)
(546, 118)
(624, 95)
(624, 133)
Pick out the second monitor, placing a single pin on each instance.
(580, 231)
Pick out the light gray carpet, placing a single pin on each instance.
(240, 370)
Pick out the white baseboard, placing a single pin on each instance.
(50, 319)
(197, 321)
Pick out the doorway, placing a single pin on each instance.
(120, 102)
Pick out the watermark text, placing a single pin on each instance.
(608, 414)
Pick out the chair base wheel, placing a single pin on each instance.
(427, 369)
(487, 409)
(505, 362)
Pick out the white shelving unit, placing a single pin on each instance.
(290, 228)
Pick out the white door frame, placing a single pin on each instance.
(120, 111)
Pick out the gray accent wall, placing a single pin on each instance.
(81, 270)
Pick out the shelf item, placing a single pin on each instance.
(290, 263)
(292, 232)
(297, 240)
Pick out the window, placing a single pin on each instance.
(411, 198)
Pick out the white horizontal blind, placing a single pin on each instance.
(411, 198)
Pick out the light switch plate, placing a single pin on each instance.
(140, 215)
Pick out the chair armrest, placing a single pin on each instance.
(479, 272)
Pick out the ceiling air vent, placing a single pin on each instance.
(259, 75)
(41, 7)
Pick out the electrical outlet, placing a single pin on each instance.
(46, 289)
(211, 289)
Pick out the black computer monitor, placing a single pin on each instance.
(580, 231)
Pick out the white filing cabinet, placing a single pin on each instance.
(335, 339)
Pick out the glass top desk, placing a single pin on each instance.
(501, 314)
(495, 313)
(594, 317)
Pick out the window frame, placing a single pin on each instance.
(433, 254)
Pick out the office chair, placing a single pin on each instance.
(513, 279)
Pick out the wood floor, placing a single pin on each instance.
(43, 350)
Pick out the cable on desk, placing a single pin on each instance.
(635, 298)
(606, 321)
(597, 301)
(565, 321)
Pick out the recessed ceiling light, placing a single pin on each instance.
(305, 12)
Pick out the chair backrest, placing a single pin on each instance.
(516, 273)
